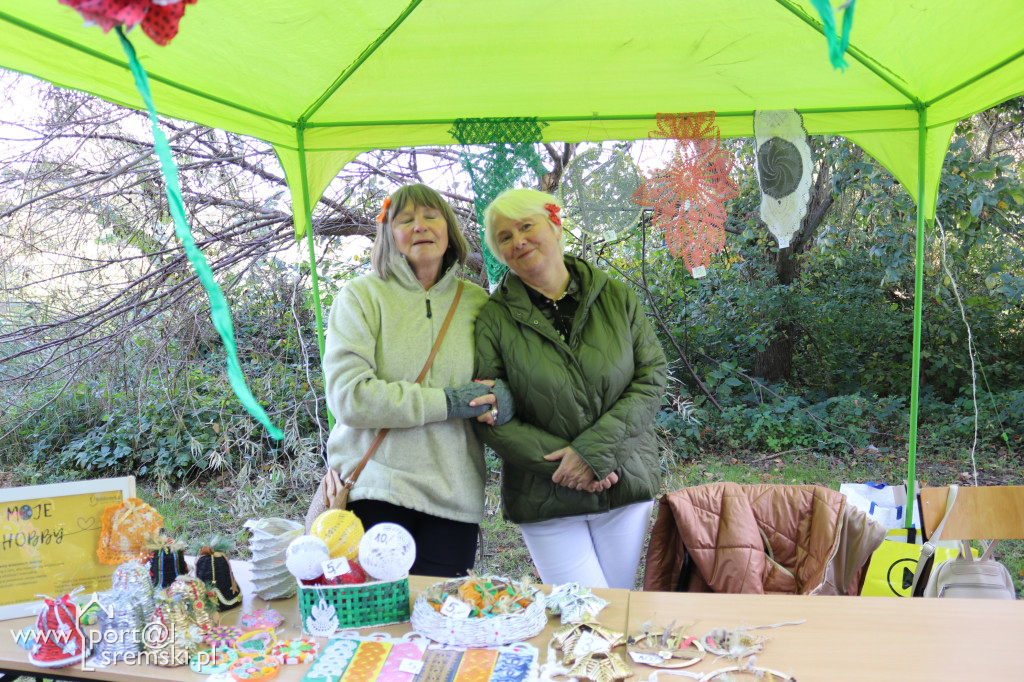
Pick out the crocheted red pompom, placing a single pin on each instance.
(158, 18)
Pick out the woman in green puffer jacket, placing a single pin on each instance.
(587, 374)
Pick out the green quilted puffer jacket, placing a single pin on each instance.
(597, 393)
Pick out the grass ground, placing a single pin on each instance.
(222, 505)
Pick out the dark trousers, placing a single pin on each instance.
(444, 548)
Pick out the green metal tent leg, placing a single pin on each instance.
(915, 372)
(317, 307)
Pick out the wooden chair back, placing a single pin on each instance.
(979, 513)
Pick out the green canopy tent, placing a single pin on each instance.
(324, 81)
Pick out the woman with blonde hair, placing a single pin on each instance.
(586, 372)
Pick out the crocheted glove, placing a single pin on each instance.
(459, 397)
(505, 405)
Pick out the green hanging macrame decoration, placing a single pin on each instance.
(497, 152)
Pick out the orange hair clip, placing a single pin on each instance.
(383, 215)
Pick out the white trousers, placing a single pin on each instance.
(595, 550)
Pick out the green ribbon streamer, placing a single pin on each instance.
(219, 312)
(836, 44)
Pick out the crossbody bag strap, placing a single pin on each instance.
(950, 499)
(928, 548)
(350, 481)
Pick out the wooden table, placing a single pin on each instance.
(14, 658)
(844, 638)
(855, 638)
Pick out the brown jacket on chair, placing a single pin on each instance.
(757, 539)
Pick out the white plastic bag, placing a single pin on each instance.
(882, 503)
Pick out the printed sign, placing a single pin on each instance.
(48, 540)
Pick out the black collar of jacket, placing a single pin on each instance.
(512, 291)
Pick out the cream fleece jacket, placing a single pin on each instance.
(379, 335)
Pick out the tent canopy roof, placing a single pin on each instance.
(323, 81)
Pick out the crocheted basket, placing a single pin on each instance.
(479, 631)
(374, 603)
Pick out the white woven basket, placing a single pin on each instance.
(482, 631)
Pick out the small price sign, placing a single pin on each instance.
(589, 643)
(335, 567)
(455, 608)
(411, 666)
(646, 659)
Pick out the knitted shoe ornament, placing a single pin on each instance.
(121, 622)
(167, 562)
(127, 527)
(165, 632)
(132, 578)
(198, 600)
(214, 568)
(61, 641)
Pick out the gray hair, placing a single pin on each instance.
(417, 195)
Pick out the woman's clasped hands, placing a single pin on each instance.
(574, 473)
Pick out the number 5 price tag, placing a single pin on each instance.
(455, 608)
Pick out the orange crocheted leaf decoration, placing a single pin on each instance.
(686, 126)
(127, 528)
(688, 196)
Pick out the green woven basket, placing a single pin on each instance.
(356, 606)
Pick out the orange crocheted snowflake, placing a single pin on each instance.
(688, 196)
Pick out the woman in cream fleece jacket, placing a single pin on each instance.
(428, 473)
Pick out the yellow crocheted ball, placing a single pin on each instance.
(341, 530)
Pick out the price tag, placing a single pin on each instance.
(589, 643)
(646, 659)
(700, 271)
(335, 567)
(410, 665)
(455, 608)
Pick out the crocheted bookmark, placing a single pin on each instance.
(368, 662)
(439, 665)
(511, 667)
(395, 668)
(332, 662)
(476, 665)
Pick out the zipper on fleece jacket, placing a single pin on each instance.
(429, 314)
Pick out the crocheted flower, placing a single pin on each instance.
(688, 196)
(158, 18)
(553, 210)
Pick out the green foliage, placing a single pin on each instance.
(183, 420)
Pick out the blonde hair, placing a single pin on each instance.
(516, 204)
(417, 195)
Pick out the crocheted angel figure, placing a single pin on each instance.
(322, 620)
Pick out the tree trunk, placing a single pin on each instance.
(775, 362)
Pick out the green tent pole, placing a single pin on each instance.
(915, 373)
(307, 211)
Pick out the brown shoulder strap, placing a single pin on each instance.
(350, 481)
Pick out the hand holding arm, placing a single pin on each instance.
(466, 401)
(500, 397)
